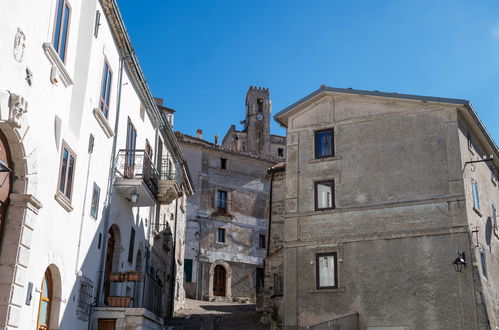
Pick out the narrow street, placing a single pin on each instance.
(216, 315)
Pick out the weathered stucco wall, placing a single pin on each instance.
(401, 214)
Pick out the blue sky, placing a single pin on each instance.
(202, 56)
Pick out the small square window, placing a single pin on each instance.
(280, 152)
(262, 244)
(326, 270)
(469, 140)
(476, 196)
(94, 208)
(324, 143)
(223, 163)
(221, 235)
(324, 195)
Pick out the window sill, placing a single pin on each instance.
(477, 211)
(57, 63)
(341, 289)
(325, 159)
(64, 202)
(222, 243)
(103, 123)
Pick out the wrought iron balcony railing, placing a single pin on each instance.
(136, 164)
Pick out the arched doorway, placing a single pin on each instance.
(113, 250)
(219, 281)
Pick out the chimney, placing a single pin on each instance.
(199, 133)
(216, 138)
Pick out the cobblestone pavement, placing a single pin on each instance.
(206, 315)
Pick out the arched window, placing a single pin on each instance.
(45, 302)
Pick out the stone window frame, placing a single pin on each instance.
(316, 200)
(333, 151)
(224, 232)
(228, 207)
(61, 195)
(312, 255)
(223, 163)
(104, 103)
(260, 245)
(95, 201)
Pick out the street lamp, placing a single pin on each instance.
(460, 262)
(135, 197)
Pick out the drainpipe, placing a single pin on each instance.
(172, 275)
(107, 213)
(90, 150)
(270, 214)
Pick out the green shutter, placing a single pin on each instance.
(188, 270)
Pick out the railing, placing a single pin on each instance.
(146, 291)
(167, 169)
(136, 164)
(349, 322)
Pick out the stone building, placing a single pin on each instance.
(227, 216)
(385, 214)
(93, 179)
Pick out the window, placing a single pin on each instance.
(470, 141)
(324, 144)
(484, 264)
(324, 195)
(278, 285)
(131, 142)
(280, 152)
(45, 301)
(260, 105)
(223, 163)
(222, 201)
(221, 235)
(97, 24)
(85, 299)
(62, 18)
(131, 246)
(326, 270)
(66, 173)
(476, 196)
(94, 208)
(262, 242)
(105, 91)
(188, 270)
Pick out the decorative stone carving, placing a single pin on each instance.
(18, 107)
(19, 45)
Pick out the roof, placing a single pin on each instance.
(471, 114)
(188, 139)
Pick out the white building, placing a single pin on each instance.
(93, 182)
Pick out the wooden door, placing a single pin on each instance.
(109, 262)
(219, 280)
(107, 324)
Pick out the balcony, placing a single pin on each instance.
(136, 178)
(168, 187)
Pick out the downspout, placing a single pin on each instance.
(77, 272)
(110, 181)
(172, 276)
(270, 215)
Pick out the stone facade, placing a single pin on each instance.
(76, 207)
(240, 218)
(403, 207)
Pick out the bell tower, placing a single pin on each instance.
(257, 123)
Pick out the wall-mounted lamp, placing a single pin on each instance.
(4, 167)
(135, 197)
(460, 262)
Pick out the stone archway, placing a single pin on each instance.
(228, 280)
(22, 207)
